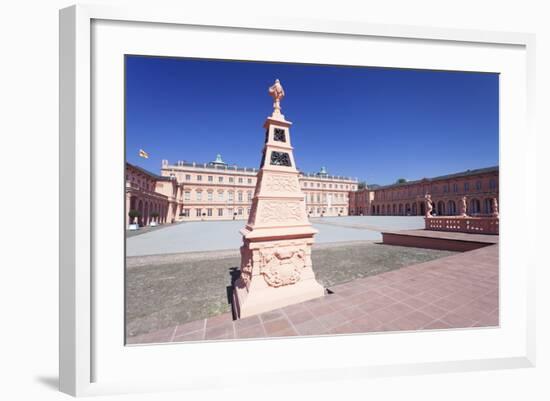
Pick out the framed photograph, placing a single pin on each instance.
(293, 196)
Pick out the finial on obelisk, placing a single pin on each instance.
(277, 92)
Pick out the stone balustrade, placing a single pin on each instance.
(476, 225)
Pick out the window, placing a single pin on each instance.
(248, 211)
(455, 187)
(318, 185)
(210, 178)
(466, 186)
(209, 212)
(187, 177)
(240, 180)
(240, 194)
(199, 177)
(330, 185)
(230, 211)
(187, 212)
(249, 196)
(240, 212)
(446, 188)
(324, 185)
(250, 180)
(187, 195)
(478, 185)
(210, 195)
(230, 195)
(220, 179)
(199, 195)
(220, 212)
(230, 179)
(318, 199)
(492, 183)
(199, 212)
(220, 195)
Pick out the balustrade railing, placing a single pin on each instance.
(478, 225)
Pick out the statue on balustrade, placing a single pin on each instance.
(462, 207)
(429, 205)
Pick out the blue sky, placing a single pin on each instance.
(372, 123)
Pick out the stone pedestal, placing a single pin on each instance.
(276, 268)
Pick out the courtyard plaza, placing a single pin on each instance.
(217, 235)
(180, 290)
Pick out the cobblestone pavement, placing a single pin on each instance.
(216, 235)
(457, 291)
(167, 290)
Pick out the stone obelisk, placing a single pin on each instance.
(276, 268)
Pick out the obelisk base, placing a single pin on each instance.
(252, 303)
(274, 274)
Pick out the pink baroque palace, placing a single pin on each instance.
(216, 191)
(189, 191)
(479, 187)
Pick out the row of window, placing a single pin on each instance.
(209, 212)
(336, 197)
(330, 186)
(221, 179)
(149, 185)
(220, 197)
(241, 180)
(434, 189)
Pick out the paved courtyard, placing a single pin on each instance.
(218, 235)
(457, 291)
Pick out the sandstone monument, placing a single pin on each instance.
(276, 267)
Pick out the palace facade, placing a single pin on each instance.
(153, 196)
(218, 191)
(479, 187)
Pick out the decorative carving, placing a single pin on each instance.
(429, 205)
(279, 135)
(280, 212)
(282, 265)
(494, 204)
(280, 159)
(285, 183)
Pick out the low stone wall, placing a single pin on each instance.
(475, 225)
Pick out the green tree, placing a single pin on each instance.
(133, 214)
(401, 181)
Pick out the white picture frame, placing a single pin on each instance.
(83, 348)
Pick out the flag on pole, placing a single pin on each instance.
(143, 154)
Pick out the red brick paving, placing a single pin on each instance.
(453, 292)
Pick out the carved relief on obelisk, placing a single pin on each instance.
(276, 267)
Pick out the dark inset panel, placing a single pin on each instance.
(279, 135)
(280, 159)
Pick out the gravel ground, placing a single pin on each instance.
(167, 290)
